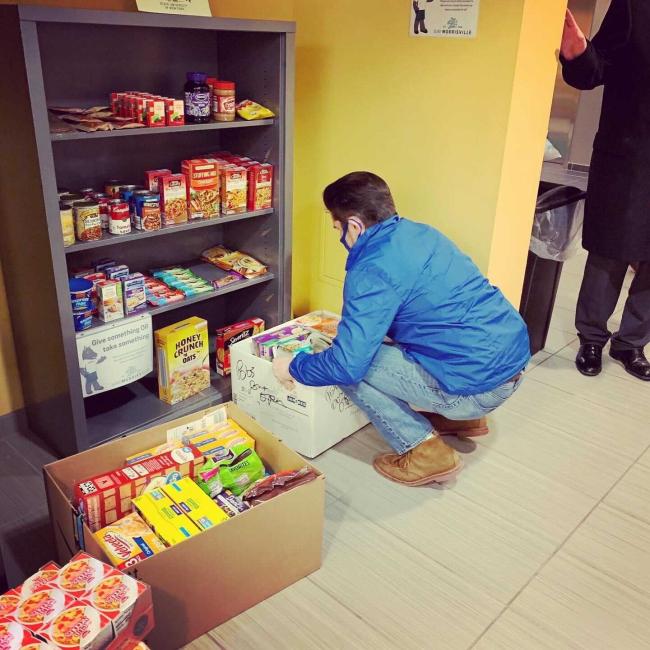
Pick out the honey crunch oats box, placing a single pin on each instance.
(183, 359)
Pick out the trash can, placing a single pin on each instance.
(557, 229)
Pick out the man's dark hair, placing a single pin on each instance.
(360, 193)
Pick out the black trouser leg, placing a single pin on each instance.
(634, 332)
(601, 288)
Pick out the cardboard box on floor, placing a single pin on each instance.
(208, 579)
(308, 420)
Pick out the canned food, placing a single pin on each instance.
(67, 224)
(147, 212)
(103, 200)
(134, 198)
(88, 223)
(120, 220)
(69, 198)
(82, 321)
(112, 188)
(88, 192)
(126, 192)
(60, 191)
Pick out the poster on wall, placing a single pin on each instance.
(444, 18)
(182, 7)
(115, 354)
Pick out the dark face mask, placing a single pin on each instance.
(348, 248)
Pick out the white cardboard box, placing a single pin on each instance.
(308, 420)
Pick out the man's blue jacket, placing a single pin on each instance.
(407, 281)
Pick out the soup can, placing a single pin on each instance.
(67, 224)
(112, 188)
(70, 198)
(88, 223)
(120, 220)
(103, 200)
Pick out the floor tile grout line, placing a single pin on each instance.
(560, 547)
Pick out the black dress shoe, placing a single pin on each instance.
(634, 361)
(590, 359)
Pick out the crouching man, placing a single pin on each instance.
(457, 347)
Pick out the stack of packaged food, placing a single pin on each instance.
(85, 604)
(207, 472)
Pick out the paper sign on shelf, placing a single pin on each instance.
(181, 7)
(115, 354)
(444, 18)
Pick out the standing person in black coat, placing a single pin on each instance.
(617, 218)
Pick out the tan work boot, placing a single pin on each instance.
(432, 461)
(460, 428)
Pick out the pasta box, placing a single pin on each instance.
(309, 420)
(213, 576)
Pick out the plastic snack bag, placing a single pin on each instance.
(250, 110)
(234, 472)
(274, 485)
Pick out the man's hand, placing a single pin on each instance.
(282, 374)
(574, 42)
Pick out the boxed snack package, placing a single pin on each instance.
(183, 360)
(80, 575)
(227, 336)
(197, 505)
(37, 611)
(110, 306)
(155, 451)
(106, 498)
(230, 504)
(213, 446)
(9, 603)
(320, 321)
(46, 575)
(164, 517)
(13, 636)
(202, 176)
(234, 189)
(152, 178)
(260, 187)
(173, 199)
(128, 541)
(79, 626)
(133, 294)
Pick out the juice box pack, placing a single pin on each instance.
(106, 498)
(227, 336)
(183, 359)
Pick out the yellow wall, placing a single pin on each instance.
(443, 121)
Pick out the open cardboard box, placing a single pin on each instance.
(207, 579)
(309, 420)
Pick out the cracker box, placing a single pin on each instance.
(152, 177)
(260, 187)
(234, 189)
(183, 359)
(79, 627)
(128, 541)
(133, 294)
(39, 610)
(202, 176)
(109, 300)
(165, 517)
(227, 336)
(195, 503)
(210, 445)
(106, 498)
(173, 199)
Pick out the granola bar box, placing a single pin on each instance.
(183, 359)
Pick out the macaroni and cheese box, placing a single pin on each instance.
(227, 336)
(173, 199)
(195, 503)
(128, 541)
(183, 360)
(106, 498)
(202, 176)
(165, 517)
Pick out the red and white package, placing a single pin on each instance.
(39, 609)
(13, 636)
(9, 603)
(46, 575)
(81, 574)
(79, 627)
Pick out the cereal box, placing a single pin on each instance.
(79, 626)
(227, 336)
(39, 609)
(202, 176)
(109, 300)
(234, 187)
(260, 187)
(183, 360)
(173, 199)
(133, 293)
(195, 503)
(106, 498)
(165, 517)
(128, 541)
(152, 177)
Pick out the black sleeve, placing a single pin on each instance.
(592, 68)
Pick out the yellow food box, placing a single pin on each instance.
(183, 359)
(195, 503)
(217, 442)
(128, 541)
(165, 517)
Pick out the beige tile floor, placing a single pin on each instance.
(542, 543)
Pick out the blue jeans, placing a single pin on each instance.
(395, 382)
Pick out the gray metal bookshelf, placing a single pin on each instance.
(70, 57)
